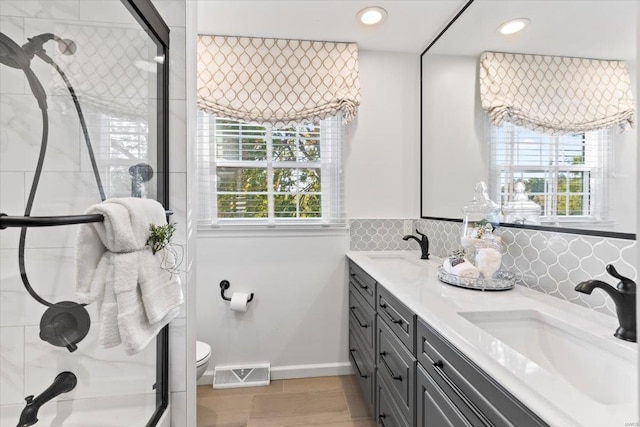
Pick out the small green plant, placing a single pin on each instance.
(160, 236)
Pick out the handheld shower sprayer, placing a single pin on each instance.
(60, 325)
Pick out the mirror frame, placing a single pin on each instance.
(586, 232)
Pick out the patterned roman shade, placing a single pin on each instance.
(556, 95)
(277, 82)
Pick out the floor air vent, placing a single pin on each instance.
(241, 376)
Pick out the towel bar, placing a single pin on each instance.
(49, 221)
(224, 285)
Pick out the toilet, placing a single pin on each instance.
(203, 354)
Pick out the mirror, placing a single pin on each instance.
(456, 133)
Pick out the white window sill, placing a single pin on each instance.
(253, 230)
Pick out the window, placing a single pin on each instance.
(566, 174)
(251, 174)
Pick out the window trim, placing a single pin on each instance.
(597, 180)
(331, 177)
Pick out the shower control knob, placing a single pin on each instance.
(65, 324)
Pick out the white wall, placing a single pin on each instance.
(299, 315)
(383, 159)
(455, 155)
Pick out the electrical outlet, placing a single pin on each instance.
(407, 227)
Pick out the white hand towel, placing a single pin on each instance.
(136, 296)
(462, 269)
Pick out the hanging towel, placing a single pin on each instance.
(136, 294)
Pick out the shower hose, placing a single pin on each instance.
(23, 57)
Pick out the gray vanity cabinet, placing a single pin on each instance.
(434, 408)
(362, 332)
(396, 361)
(478, 398)
(412, 376)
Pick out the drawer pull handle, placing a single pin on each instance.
(381, 418)
(357, 282)
(353, 350)
(438, 367)
(384, 306)
(353, 310)
(386, 365)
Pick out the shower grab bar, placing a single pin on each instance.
(50, 221)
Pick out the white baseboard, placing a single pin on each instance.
(307, 371)
(295, 371)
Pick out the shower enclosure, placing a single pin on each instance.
(83, 117)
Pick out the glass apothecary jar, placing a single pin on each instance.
(521, 210)
(477, 214)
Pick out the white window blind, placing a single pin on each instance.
(566, 174)
(255, 175)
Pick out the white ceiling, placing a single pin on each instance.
(604, 29)
(594, 28)
(410, 26)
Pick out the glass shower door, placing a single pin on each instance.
(82, 118)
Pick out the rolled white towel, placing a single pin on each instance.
(488, 261)
(462, 269)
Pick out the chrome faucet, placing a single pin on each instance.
(625, 299)
(423, 241)
(63, 383)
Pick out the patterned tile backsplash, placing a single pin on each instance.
(544, 261)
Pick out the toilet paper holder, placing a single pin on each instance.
(224, 285)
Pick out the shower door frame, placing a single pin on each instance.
(150, 20)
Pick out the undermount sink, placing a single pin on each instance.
(601, 369)
(408, 265)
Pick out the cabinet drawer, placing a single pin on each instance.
(364, 283)
(476, 394)
(399, 318)
(434, 408)
(364, 369)
(388, 413)
(398, 368)
(362, 319)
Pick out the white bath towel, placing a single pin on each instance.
(462, 269)
(136, 295)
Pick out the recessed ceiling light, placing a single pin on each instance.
(513, 26)
(372, 15)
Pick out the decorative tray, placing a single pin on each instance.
(502, 280)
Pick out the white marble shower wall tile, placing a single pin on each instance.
(120, 411)
(12, 80)
(177, 136)
(21, 135)
(60, 193)
(100, 372)
(553, 263)
(12, 200)
(178, 64)
(49, 9)
(105, 12)
(11, 365)
(379, 235)
(177, 355)
(173, 12)
(51, 273)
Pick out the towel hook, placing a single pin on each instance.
(224, 285)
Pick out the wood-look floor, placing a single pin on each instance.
(322, 401)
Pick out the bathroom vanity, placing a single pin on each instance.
(429, 354)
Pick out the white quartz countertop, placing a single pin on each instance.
(554, 397)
